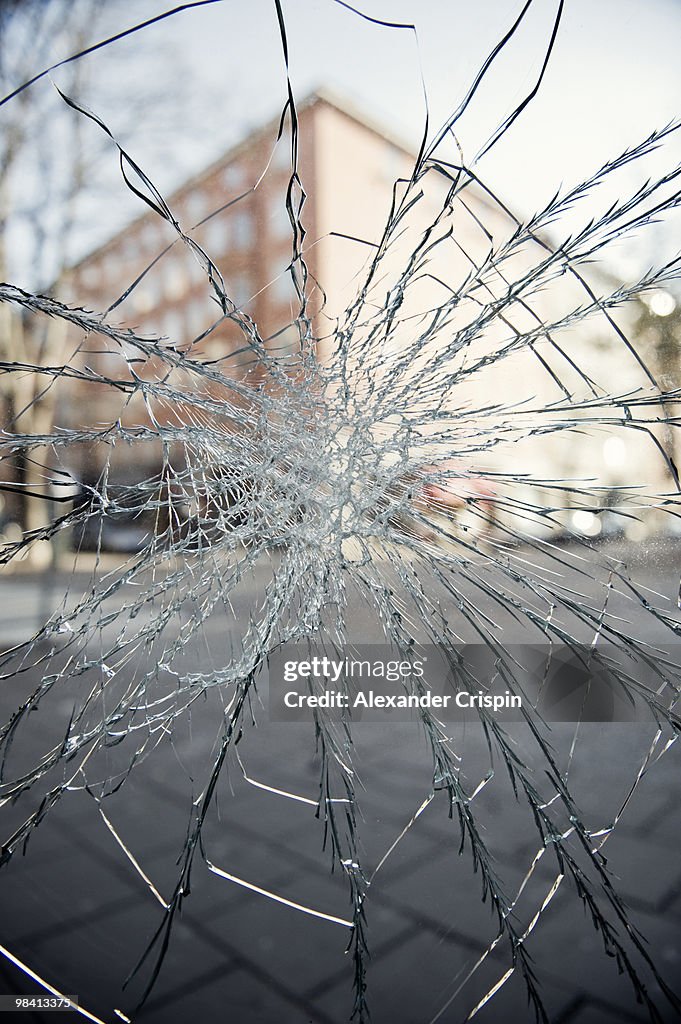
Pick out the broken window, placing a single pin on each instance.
(461, 446)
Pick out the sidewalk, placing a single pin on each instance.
(75, 909)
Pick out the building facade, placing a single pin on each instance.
(242, 212)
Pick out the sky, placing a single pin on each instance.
(614, 74)
(215, 72)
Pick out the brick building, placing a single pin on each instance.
(236, 211)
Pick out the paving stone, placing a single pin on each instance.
(661, 824)
(417, 978)
(567, 945)
(643, 871)
(77, 911)
(295, 949)
(258, 989)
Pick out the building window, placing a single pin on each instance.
(142, 299)
(196, 207)
(92, 275)
(279, 224)
(233, 178)
(130, 251)
(216, 237)
(216, 348)
(240, 289)
(199, 316)
(243, 233)
(175, 281)
(148, 294)
(281, 290)
(149, 239)
(195, 270)
(173, 326)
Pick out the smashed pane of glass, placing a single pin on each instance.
(286, 392)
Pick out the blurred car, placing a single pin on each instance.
(121, 533)
(127, 530)
(450, 504)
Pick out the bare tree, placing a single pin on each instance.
(50, 160)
